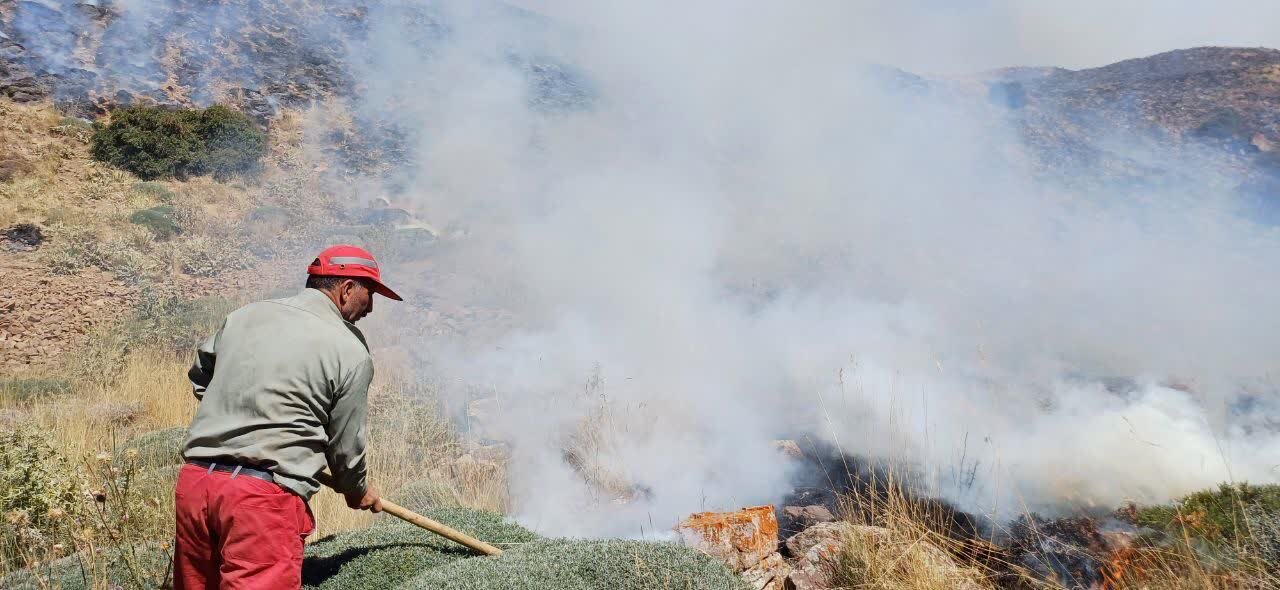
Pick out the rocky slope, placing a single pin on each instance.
(1104, 124)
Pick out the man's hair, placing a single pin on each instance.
(328, 283)
(324, 283)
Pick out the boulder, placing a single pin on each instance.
(794, 519)
(770, 574)
(740, 539)
(816, 552)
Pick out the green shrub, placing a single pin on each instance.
(175, 323)
(28, 389)
(159, 448)
(157, 219)
(584, 565)
(39, 498)
(140, 568)
(157, 142)
(393, 551)
(1215, 515)
(76, 249)
(154, 190)
(204, 256)
(231, 141)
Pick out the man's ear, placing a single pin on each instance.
(345, 288)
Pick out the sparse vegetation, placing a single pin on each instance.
(173, 323)
(159, 220)
(40, 493)
(158, 143)
(25, 389)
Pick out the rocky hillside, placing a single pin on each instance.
(92, 55)
(1210, 102)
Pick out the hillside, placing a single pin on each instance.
(638, 294)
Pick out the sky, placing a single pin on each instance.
(952, 37)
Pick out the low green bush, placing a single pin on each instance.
(1220, 515)
(583, 565)
(158, 142)
(39, 498)
(28, 389)
(154, 190)
(393, 551)
(173, 322)
(143, 567)
(159, 448)
(159, 220)
(205, 256)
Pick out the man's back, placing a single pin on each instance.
(281, 380)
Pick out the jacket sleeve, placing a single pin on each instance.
(346, 430)
(201, 372)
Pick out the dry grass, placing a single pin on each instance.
(908, 546)
(409, 441)
(150, 393)
(899, 544)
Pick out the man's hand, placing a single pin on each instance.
(369, 501)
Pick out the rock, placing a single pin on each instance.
(798, 518)
(770, 574)
(816, 552)
(740, 539)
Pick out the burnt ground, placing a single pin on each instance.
(1072, 551)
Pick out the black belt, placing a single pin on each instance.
(234, 469)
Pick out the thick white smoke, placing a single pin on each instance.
(750, 232)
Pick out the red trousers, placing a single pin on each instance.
(240, 532)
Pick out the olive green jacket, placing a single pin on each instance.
(282, 386)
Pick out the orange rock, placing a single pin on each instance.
(740, 539)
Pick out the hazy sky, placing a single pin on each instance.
(967, 35)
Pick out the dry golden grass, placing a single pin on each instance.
(409, 441)
(151, 393)
(908, 548)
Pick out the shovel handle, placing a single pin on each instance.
(434, 526)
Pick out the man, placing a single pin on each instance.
(282, 387)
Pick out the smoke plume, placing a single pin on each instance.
(749, 230)
(714, 224)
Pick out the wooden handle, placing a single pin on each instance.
(436, 527)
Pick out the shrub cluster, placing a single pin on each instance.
(39, 495)
(158, 220)
(157, 142)
(175, 323)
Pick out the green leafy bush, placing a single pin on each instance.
(157, 142)
(159, 448)
(204, 256)
(139, 568)
(1219, 515)
(39, 498)
(583, 565)
(154, 190)
(130, 256)
(393, 551)
(175, 323)
(32, 388)
(157, 219)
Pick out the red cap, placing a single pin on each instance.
(349, 261)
